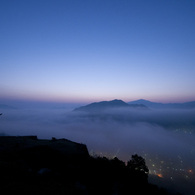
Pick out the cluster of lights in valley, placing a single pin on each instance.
(171, 168)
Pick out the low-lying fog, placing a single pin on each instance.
(165, 138)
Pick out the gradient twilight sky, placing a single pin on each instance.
(93, 50)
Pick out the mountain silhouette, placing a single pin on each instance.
(186, 105)
(104, 105)
(60, 166)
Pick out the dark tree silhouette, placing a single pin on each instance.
(137, 167)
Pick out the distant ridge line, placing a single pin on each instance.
(103, 105)
(186, 105)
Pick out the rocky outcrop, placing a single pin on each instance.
(64, 146)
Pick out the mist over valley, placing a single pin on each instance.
(164, 137)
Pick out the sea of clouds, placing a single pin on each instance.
(164, 134)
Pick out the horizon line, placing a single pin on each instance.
(86, 101)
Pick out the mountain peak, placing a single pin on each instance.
(103, 105)
(141, 101)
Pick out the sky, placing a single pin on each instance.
(93, 50)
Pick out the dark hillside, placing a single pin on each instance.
(32, 166)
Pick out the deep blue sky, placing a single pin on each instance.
(73, 50)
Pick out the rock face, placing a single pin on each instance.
(64, 146)
(33, 166)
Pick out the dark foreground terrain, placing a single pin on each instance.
(58, 166)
